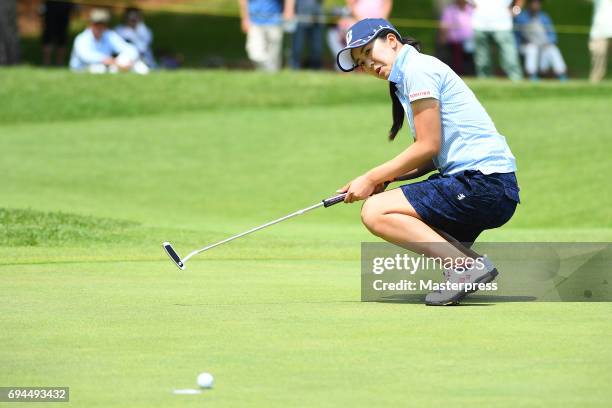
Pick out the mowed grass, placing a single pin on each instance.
(98, 171)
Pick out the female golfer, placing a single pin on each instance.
(475, 187)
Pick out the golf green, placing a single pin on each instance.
(97, 174)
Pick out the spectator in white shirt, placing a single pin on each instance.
(492, 22)
(136, 32)
(100, 50)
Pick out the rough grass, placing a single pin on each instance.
(33, 95)
(27, 227)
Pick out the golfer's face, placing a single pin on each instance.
(376, 58)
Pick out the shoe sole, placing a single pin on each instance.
(489, 277)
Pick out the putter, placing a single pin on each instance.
(180, 262)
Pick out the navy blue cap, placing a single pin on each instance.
(360, 34)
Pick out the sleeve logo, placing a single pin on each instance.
(419, 95)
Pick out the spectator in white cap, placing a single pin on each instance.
(98, 49)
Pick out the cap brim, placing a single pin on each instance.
(345, 61)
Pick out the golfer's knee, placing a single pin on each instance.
(372, 217)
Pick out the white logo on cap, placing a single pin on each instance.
(349, 37)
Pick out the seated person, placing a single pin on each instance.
(135, 31)
(99, 50)
(538, 40)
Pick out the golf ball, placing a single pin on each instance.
(205, 380)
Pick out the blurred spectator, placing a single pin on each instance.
(309, 30)
(457, 34)
(440, 5)
(492, 22)
(9, 33)
(135, 31)
(261, 21)
(56, 18)
(538, 42)
(601, 32)
(355, 10)
(361, 9)
(336, 33)
(100, 50)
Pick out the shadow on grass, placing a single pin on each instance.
(267, 303)
(416, 299)
(470, 301)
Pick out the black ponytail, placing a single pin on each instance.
(397, 110)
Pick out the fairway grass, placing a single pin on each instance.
(94, 179)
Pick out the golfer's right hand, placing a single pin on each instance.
(381, 187)
(359, 189)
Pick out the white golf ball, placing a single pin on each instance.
(205, 380)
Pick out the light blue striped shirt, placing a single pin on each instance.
(88, 50)
(470, 140)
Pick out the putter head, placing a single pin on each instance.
(173, 255)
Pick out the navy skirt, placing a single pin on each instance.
(465, 204)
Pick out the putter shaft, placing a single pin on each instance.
(286, 217)
(181, 262)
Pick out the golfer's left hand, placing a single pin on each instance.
(359, 189)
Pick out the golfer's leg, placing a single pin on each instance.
(465, 250)
(391, 217)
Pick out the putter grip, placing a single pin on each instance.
(334, 200)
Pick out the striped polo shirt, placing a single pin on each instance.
(470, 140)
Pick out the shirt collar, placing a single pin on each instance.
(397, 70)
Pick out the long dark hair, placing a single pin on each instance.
(397, 110)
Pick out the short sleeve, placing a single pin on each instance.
(423, 82)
